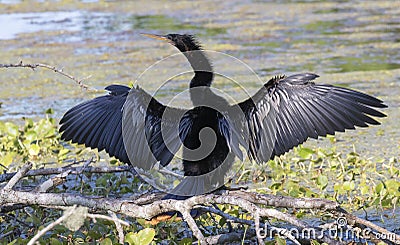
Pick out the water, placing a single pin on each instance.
(349, 44)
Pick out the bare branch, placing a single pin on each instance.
(354, 220)
(285, 201)
(270, 212)
(144, 206)
(118, 222)
(112, 218)
(192, 224)
(13, 181)
(53, 68)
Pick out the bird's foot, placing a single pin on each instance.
(170, 216)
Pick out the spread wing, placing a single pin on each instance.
(97, 123)
(107, 121)
(288, 110)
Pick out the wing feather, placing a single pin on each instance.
(300, 109)
(95, 122)
(99, 123)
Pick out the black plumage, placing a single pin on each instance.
(284, 113)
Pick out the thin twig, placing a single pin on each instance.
(101, 216)
(256, 216)
(193, 226)
(393, 237)
(52, 225)
(53, 68)
(118, 226)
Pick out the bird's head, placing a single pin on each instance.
(183, 42)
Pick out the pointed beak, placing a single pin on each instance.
(159, 37)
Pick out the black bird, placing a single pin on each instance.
(282, 114)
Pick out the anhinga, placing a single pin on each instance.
(282, 114)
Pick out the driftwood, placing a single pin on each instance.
(148, 205)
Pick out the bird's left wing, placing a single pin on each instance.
(288, 110)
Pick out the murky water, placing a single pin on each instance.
(349, 44)
(352, 44)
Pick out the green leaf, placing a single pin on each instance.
(131, 238)
(11, 129)
(380, 189)
(186, 241)
(31, 135)
(365, 190)
(106, 241)
(34, 150)
(322, 181)
(49, 111)
(7, 159)
(54, 241)
(63, 152)
(280, 241)
(348, 185)
(306, 153)
(146, 236)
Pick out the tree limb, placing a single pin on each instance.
(144, 206)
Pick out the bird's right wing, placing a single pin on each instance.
(152, 132)
(130, 125)
(97, 123)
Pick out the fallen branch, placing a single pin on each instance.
(144, 206)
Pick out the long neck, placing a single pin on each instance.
(203, 73)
